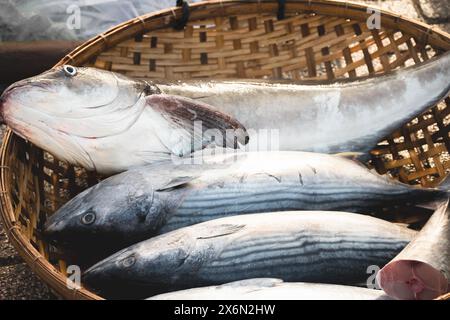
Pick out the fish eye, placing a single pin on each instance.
(70, 71)
(88, 218)
(129, 261)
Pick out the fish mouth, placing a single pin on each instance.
(3, 101)
(5, 97)
(53, 232)
(30, 131)
(68, 241)
(104, 278)
(90, 274)
(52, 227)
(28, 83)
(98, 276)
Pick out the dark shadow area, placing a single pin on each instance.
(434, 11)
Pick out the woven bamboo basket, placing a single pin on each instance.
(312, 39)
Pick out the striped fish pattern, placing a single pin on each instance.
(324, 247)
(152, 200)
(274, 289)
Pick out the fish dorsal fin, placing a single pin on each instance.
(175, 182)
(220, 230)
(192, 125)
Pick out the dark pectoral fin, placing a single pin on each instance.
(197, 124)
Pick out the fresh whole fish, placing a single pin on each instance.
(274, 289)
(106, 122)
(155, 199)
(422, 270)
(303, 246)
(340, 117)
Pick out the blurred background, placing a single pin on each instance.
(35, 34)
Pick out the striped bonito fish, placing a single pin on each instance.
(323, 247)
(152, 200)
(274, 289)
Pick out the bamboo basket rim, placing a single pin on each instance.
(43, 268)
(55, 279)
(142, 23)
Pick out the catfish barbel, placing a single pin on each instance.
(422, 270)
(308, 246)
(274, 289)
(155, 199)
(340, 117)
(106, 122)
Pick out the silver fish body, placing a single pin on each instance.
(323, 247)
(106, 122)
(340, 117)
(422, 270)
(274, 289)
(147, 201)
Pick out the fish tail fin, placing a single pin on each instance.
(434, 204)
(442, 199)
(444, 185)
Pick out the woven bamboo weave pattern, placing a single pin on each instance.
(317, 40)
